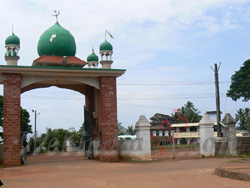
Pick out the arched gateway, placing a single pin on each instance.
(58, 66)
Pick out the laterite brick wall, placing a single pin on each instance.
(243, 144)
(12, 121)
(108, 119)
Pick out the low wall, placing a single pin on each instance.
(140, 148)
(130, 149)
(243, 144)
(221, 145)
(1, 153)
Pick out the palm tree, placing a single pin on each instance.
(187, 113)
(121, 129)
(243, 116)
(131, 130)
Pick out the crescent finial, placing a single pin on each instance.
(57, 12)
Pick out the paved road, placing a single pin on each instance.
(88, 173)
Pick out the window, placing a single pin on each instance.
(193, 129)
(183, 129)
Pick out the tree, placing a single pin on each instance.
(243, 119)
(131, 130)
(187, 114)
(240, 83)
(121, 129)
(82, 129)
(55, 140)
(25, 120)
(25, 126)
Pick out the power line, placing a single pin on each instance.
(81, 97)
(162, 84)
(143, 106)
(142, 83)
(197, 96)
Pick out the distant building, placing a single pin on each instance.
(213, 117)
(184, 133)
(161, 126)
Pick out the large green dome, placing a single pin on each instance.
(92, 57)
(12, 39)
(56, 41)
(106, 46)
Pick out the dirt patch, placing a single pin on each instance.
(235, 169)
(91, 174)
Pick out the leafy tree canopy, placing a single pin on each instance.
(243, 119)
(240, 83)
(25, 126)
(56, 139)
(25, 120)
(187, 114)
(121, 130)
(131, 130)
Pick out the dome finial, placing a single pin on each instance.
(57, 12)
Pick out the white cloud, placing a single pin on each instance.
(151, 39)
(138, 25)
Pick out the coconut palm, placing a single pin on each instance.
(131, 130)
(188, 114)
(243, 119)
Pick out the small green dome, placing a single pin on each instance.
(12, 39)
(56, 41)
(106, 46)
(92, 57)
(9, 55)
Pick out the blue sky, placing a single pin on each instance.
(167, 47)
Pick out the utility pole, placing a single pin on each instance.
(173, 143)
(36, 114)
(217, 93)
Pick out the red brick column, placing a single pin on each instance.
(12, 120)
(108, 119)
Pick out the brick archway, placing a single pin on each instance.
(102, 103)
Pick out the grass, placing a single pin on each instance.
(239, 160)
(244, 159)
(1, 165)
(225, 156)
(245, 154)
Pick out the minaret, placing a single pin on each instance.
(92, 60)
(106, 50)
(12, 45)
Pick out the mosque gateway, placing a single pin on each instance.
(58, 66)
